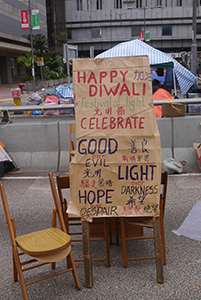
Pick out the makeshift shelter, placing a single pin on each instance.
(157, 59)
(160, 94)
(7, 163)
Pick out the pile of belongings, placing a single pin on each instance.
(65, 94)
(35, 99)
(59, 95)
(51, 99)
(53, 96)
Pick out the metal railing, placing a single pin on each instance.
(7, 109)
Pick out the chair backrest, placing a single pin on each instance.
(11, 228)
(72, 129)
(164, 180)
(63, 182)
(56, 201)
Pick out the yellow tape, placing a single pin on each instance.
(170, 101)
(42, 108)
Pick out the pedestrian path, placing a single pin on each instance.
(5, 93)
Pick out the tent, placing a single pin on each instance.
(160, 94)
(157, 59)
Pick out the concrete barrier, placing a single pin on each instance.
(42, 145)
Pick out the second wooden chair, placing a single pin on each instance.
(98, 225)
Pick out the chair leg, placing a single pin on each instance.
(158, 250)
(19, 272)
(163, 241)
(107, 249)
(117, 230)
(87, 254)
(110, 230)
(123, 241)
(14, 270)
(76, 278)
(54, 223)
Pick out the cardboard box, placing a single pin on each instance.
(197, 148)
(173, 110)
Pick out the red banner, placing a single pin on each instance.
(24, 19)
(142, 35)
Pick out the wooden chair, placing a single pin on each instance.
(63, 182)
(44, 246)
(157, 223)
(71, 143)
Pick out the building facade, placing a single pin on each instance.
(12, 42)
(105, 23)
(56, 22)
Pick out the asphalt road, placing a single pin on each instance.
(31, 203)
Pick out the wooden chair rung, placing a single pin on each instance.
(139, 238)
(49, 276)
(32, 267)
(141, 258)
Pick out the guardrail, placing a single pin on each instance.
(6, 109)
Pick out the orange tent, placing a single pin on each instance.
(160, 94)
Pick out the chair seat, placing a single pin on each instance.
(72, 216)
(43, 242)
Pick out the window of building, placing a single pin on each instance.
(79, 4)
(69, 33)
(167, 29)
(198, 28)
(117, 3)
(158, 2)
(99, 4)
(179, 3)
(128, 5)
(138, 3)
(135, 30)
(96, 32)
(166, 3)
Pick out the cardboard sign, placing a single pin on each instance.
(116, 170)
(197, 148)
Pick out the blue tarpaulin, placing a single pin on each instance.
(65, 91)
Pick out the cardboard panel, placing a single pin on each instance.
(117, 167)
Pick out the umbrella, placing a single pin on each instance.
(156, 57)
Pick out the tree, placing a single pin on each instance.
(40, 43)
(26, 61)
(61, 38)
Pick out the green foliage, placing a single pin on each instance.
(53, 62)
(26, 61)
(52, 74)
(62, 75)
(53, 68)
(40, 43)
(61, 38)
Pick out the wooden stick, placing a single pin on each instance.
(87, 254)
